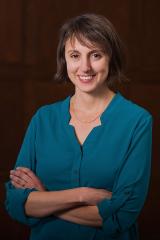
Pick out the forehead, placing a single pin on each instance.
(75, 44)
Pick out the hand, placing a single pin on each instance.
(23, 177)
(92, 196)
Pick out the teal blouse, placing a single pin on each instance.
(115, 156)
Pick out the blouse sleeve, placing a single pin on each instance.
(16, 198)
(131, 185)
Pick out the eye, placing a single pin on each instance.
(96, 55)
(75, 56)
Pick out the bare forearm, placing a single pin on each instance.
(41, 204)
(85, 215)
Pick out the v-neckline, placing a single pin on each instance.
(103, 119)
(88, 130)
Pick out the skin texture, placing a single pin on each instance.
(91, 63)
(88, 68)
(24, 178)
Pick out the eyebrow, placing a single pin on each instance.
(90, 52)
(72, 50)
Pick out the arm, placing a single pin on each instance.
(118, 213)
(66, 204)
(16, 197)
(84, 215)
(131, 184)
(41, 204)
(45, 203)
(20, 199)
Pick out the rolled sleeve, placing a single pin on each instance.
(16, 197)
(131, 185)
(15, 201)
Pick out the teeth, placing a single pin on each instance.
(88, 77)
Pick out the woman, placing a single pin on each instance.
(84, 166)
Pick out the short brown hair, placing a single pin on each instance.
(98, 30)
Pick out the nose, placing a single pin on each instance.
(85, 65)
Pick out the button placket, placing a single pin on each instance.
(75, 175)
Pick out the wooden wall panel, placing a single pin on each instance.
(12, 121)
(41, 32)
(41, 93)
(43, 21)
(11, 32)
(144, 39)
(151, 34)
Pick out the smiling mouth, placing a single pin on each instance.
(86, 78)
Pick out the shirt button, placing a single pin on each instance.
(127, 192)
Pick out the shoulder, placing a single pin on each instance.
(132, 110)
(50, 108)
(133, 119)
(50, 111)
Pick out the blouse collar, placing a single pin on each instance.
(65, 108)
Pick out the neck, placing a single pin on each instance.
(91, 102)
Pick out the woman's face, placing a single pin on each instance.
(87, 67)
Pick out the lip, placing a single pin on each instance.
(86, 78)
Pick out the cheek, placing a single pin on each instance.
(101, 68)
(71, 67)
(105, 67)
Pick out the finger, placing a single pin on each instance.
(32, 181)
(20, 175)
(17, 185)
(21, 184)
(21, 179)
(17, 182)
(29, 173)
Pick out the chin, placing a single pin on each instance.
(88, 89)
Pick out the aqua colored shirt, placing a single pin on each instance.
(115, 156)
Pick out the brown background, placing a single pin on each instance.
(28, 40)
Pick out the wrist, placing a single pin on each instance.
(74, 196)
(82, 195)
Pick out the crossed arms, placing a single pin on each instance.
(76, 205)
